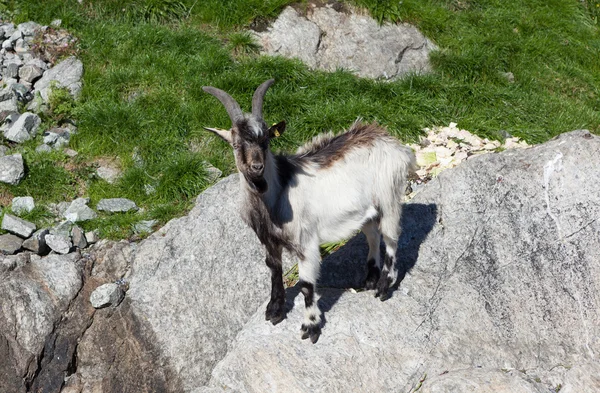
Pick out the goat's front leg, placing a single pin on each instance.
(276, 307)
(308, 270)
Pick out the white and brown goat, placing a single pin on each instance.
(332, 187)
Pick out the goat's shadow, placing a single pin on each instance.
(347, 267)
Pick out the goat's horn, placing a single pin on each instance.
(232, 107)
(258, 97)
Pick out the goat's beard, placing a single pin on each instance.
(258, 184)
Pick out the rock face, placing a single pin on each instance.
(185, 302)
(34, 296)
(329, 40)
(503, 275)
(499, 292)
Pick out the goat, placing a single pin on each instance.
(329, 189)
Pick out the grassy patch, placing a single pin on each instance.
(146, 60)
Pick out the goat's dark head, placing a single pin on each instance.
(249, 135)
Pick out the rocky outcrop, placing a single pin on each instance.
(329, 40)
(499, 291)
(35, 293)
(193, 285)
(503, 291)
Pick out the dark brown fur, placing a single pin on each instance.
(325, 151)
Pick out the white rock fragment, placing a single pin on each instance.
(106, 295)
(91, 237)
(22, 205)
(11, 169)
(59, 243)
(79, 211)
(447, 147)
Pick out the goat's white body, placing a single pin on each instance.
(331, 204)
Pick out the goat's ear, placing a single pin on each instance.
(277, 129)
(225, 134)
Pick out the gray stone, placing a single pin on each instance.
(15, 36)
(330, 40)
(29, 28)
(108, 173)
(11, 169)
(67, 74)
(114, 205)
(43, 148)
(91, 237)
(78, 237)
(3, 150)
(24, 128)
(144, 226)
(17, 226)
(9, 244)
(36, 62)
(7, 44)
(22, 204)
(30, 73)
(21, 46)
(37, 242)
(107, 295)
(34, 298)
(7, 29)
(59, 243)
(64, 228)
(500, 272)
(12, 71)
(22, 91)
(9, 105)
(79, 211)
(56, 23)
(7, 94)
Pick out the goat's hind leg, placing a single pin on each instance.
(308, 270)
(371, 231)
(276, 308)
(388, 273)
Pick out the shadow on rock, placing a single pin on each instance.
(347, 267)
(417, 221)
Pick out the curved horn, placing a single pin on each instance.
(232, 107)
(258, 97)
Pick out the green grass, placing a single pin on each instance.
(146, 61)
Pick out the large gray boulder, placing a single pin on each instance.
(329, 40)
(193, 285)
(34, 296)
(67, 73)
(502, 291)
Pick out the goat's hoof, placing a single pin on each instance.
(312, 331)
(372, 279)
(274, 313)
(383, 287)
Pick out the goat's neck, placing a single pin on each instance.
(269, 198)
